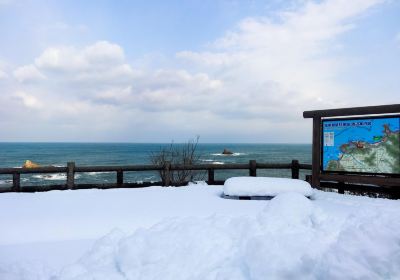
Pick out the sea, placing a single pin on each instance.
(84, 154)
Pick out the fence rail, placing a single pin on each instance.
(71, 169)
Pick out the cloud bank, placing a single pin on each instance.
(250, 85)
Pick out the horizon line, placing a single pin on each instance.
(121, 142)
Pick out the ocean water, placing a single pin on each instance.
(83, 154)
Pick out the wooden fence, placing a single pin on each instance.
(71, 169)
(252, 166)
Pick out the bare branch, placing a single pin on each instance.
(184, 154)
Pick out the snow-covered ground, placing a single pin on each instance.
(193, 233)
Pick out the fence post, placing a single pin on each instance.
(70, 175)
(253, 168)
(308, 179)
(211, 180)
(16, 182)
(167, 173)
(295, 169)
(341, 187)
(120, 177)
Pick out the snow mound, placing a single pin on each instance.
(190, 248)
(265, 186)
(99, 262)
(287, 209)
(291, 238)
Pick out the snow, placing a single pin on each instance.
(265, 186)
(89, 214)
(193, 233)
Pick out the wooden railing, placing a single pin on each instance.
(71, 169)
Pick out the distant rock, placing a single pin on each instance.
(30, 164)
(227, 152)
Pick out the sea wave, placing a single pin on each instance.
(5, 182)
(58, 176)
(97, 173)
(10, 181)
(212, 161)
(234, 154)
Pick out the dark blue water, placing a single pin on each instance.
(58, 154)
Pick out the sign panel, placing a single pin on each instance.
(364, 145)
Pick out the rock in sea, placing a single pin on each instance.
(30, 164)
(227, 152)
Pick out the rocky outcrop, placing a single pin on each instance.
(30, 164)
(227, 152)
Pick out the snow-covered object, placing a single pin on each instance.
(191, 233)
(265, 186)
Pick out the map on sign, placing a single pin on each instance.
(361, 145)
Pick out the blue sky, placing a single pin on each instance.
(156, 71)
(142, 26)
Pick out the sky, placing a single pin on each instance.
(156, 71)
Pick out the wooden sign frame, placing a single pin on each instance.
(362, 112)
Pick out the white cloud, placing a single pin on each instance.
(3, 74)
(28, 73)
(289, 62)
(102, 64)
(104, 53)
(61, 59)
(96, 87)
(251, 84)
(29, 101)
(166, 90)
(66, 59)
(100, 73)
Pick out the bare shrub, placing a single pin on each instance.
(178, 154)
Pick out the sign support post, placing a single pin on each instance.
(316, 152)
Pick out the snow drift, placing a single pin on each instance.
(290, 239)
(265, 186)
(331, 236)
